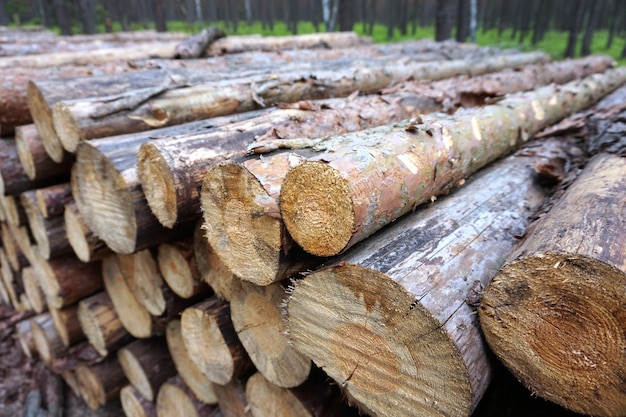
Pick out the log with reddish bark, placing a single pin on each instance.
(67, 324)
(179, 268)
(51, 200)
(101, 324)
(100, 383)
(407, 295)
(92, 118)
(36, 162)
(212, 341)
(147, 365)
(255, 312)
(211, 268)
(135, 405)
(357, 183)
(33, 290)
(176, 399)
(555, 313)
(187, 369)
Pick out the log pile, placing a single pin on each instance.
(303, 231)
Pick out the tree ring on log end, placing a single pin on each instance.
(317, 209)
(157, 184)
(43, 120)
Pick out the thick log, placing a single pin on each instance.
(177, 264)
(135, 405)
(67, 280)
(101, 324)
(555, 314)
(147, 365)
(359, 182)
(100, 383)
(35, 160)
(255, 312)
(405, 297)
(231, 398)
(86, 245)
(187, 369)
(212, 341)
(143, 278)
(76, 120)
(67, 324)
(47, 340)
(176, 399)
(33, 290)
(211, 268)
(111, 198)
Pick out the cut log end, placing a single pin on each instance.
(66, 126)
(157, 184)
(246, 240)
(561, 327)
(135, 373)
(176, 271)
(76, 230)
(211, 267)
(318, 213)
(174, 400)
(42, 116)
(91, 328)
(24, 152)
(91, 388)
(142, 276)
(134, 405)
(266, 399)
(367, 329)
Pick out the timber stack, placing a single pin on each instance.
(257, 226)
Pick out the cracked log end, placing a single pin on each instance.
(318, 213)
(158, 184)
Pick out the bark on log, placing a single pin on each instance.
(404, 297)
(100, 383)
(212, 341)
(111, 199)
(47, 340)
(201, 386)
(147, 365)
(231, 398)
(81, 354)
(101, 324)
(345, 194)
(176, 399)
(211, 267)
(255, 312)
(76, 119)
(14, 210)
(177, 264)
(555, 312)
(143, 278)
(51, 200)
(35, 160)
(21, 235)
(135, 405)
(15, 256)
(67, 324)
(196, 46)
(24, 337)
(86, 245)
(11, 280)
(33, 290)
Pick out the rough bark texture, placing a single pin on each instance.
(176, 399)
(255, 312)
(101, 325)
(362, 181)
(67, 324)
(135, 405)
(51, 200)
(212, 269)
(405, 295)
(555, 312)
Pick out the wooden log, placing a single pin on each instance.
(100, 383)
(101, 324)
(24, 336)
(195, 46)
(75, 120)
(24, 240)
(67, 324)
(177, 264)
(14, 210)
(176, 399)
(47, 340)
(255, 312)
(11, 280)
(554, 314)
(231, 398)
(135, 405)
(15, 256)
(4, 294)
(36, 162)
(86, 245)
(51, 200)
(143, 278)
(147, 365)
(343, 194)
(111, 199)
(33, 290)
(187, 369)
(393, 323)
(67, 280)
(210, 266)
(81, 354)
(212, 341)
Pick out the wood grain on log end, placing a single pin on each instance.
(158, 184)
(66, 126)
(555, 313)
(135, 405)
(178, 266)
(33, 290)
(42, 116)
(176, 399)
(67, 324)
(46, 338)
(26, 139)
(201, 386)
(100, 323)
(317, 208)
(86, 245)
(255, 312)
(143, 278)
(212, 269)
(266, 399)
(100, 383)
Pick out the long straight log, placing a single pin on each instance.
(211, 268)
(177, 264)
(393, 322)
(197, 382)
(35, 160)
(67, 324)
(135, 405)
(555, 313)
(101, 324)
(176, 399)
(100, 383)
(255, 312)
(359, 182)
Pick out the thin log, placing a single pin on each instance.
(327, 202)
(101, 324)
(33, 290)
(196, 46)
(147, 365)
(177, 264)
(143, 278)
(14, 210)
(210, 266)
(51, 200)
(407, 295)
(4, 294)
(11, 280)
(212, 341)
(255, 312)
(197, 382)
(86, 245)
(47, 340)
(100, 383)
(67, 324)
(176, 399)
(135, 405)
(24, 240)
(554, 314)
(32, 155)
(15, 256)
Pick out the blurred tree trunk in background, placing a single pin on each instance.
(462, 21)
(294, 15)
(345, 14)
(542, 21)
(576, 23)
(444, 20)
(63, 18)
(473, 20)
(4, 17)
(87, 10)
(592, 18)
(330, 10)
(159, 15)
